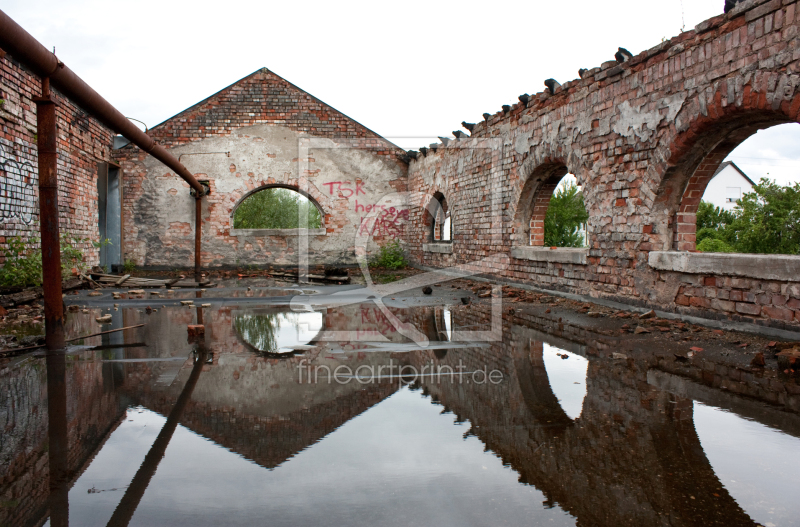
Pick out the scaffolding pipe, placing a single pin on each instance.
(30, 52)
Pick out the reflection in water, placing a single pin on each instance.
(586, 440)
(278, 333)
(758, 465)
(567, 378)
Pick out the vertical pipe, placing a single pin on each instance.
(198, 225)
(48, 218)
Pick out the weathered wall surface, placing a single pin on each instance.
(643, 138)
(82, 143)
(261, 121)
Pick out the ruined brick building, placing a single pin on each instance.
(642, 134)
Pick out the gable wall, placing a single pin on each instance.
(260, 121)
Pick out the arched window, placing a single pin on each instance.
(744, 195)
(277, 208)
(553, 203)
(439, 219)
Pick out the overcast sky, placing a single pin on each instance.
(408, 71)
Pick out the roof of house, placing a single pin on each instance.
(726, 164)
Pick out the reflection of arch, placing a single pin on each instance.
(534, 200)
(303, 193)
(438, 219)
(264, 331)
(696, 493)
(697, 154)
(537, 393)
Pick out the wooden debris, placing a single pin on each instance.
(111, 280)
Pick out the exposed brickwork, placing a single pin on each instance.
(82, 143)
(260, 120)
(643, 139)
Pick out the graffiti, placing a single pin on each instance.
(390, 222)
(346, 191)
(17, 194)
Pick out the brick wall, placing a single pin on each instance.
(642, 138)
(82, 142)
(260, 121)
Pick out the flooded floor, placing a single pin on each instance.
(320, 405)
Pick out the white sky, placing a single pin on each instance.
(410, 71)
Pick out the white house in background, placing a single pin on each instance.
(727, 186)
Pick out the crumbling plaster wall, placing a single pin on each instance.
(634, 134)
(268, 125)
(342, 179)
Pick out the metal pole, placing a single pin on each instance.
(58, 447)
(198, 225)
(48, 218)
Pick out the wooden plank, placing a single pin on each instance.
(122, 280)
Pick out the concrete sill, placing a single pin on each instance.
(278, 232)
(570, 255)
(780, 267)
(442, 248)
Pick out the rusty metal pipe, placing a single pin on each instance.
(48, 218)
(198, 227)
(26, 49)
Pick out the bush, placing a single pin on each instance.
(713, 245)
(129, 266)
(23, 264)
(390, 256)
(23, 260)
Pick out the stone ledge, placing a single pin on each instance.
(572, 255)
(442, 248)
(780, 267)
(278, 232)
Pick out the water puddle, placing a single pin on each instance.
(368, 414)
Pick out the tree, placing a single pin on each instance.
(276, 208)
(765, 221)
(768, 219)
(565, 216)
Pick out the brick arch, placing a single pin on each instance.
(534, 199)
(310, 195)
(696, 154)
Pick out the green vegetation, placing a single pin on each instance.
(565, 215)
(129, 266)
(23, 260)
(765, 221)
(390, 256)
(276, 208)
(260, 331)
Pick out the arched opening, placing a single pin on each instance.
(277, 207)
(752, 202)
(437, 218)
(723, 152)
(551, 210)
